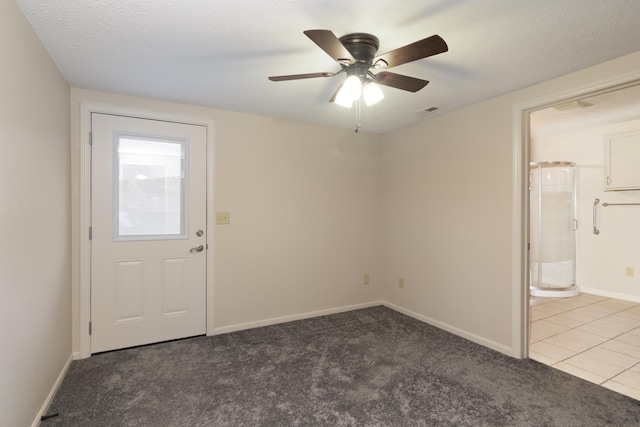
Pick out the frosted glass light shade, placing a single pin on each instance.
(350, 91)
(352, 87)
(372, 94)
(343, 100)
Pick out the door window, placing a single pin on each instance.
(149, 188)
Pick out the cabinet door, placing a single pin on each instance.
(622, 161)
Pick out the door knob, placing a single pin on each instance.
(198, 248)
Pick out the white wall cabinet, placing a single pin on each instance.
(622, 161)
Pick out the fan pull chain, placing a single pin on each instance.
(358, 116)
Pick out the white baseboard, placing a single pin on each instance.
(291, 318)
(52, 393)
(456, 331)
(610, 294)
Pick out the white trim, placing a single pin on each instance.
(611, 294)
(47, 402)
(519, 227)
(293, 317)
(84, 287)
(84, 291)
(521, 144)
(452, 329)
(211, 168)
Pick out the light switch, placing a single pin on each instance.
(223, 218)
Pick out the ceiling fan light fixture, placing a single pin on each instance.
(343, 100)
(352, 87)
(372, 94)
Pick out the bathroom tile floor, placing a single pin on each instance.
(592, 337)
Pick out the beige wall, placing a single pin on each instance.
(305, 209)
(310, 207)
(35, 281)
(447, 191)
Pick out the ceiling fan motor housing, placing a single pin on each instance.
(362, 46)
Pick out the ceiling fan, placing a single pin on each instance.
(356, 54)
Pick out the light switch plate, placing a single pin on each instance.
(223, 218)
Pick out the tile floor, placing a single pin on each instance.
(589, 336)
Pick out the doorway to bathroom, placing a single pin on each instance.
(584, 295)
(568, 191)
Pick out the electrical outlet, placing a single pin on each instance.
(400, 282)
(223, 218)
(365, 279)
(630, 271)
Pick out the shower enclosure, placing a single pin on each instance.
(552, 229)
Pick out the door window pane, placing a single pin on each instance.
(150, 188)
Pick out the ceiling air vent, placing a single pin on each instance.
(573, 105)
(428, 111)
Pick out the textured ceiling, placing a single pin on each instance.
(220, 53)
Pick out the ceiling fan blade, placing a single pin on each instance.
(300, 76)
(400, 81)
(328, 42)
(421, 49)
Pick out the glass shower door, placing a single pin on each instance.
(553, 225)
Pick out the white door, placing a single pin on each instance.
(148, 247)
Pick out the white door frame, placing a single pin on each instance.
(520, 208)
(83, 316)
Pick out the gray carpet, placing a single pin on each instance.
(370, 367)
